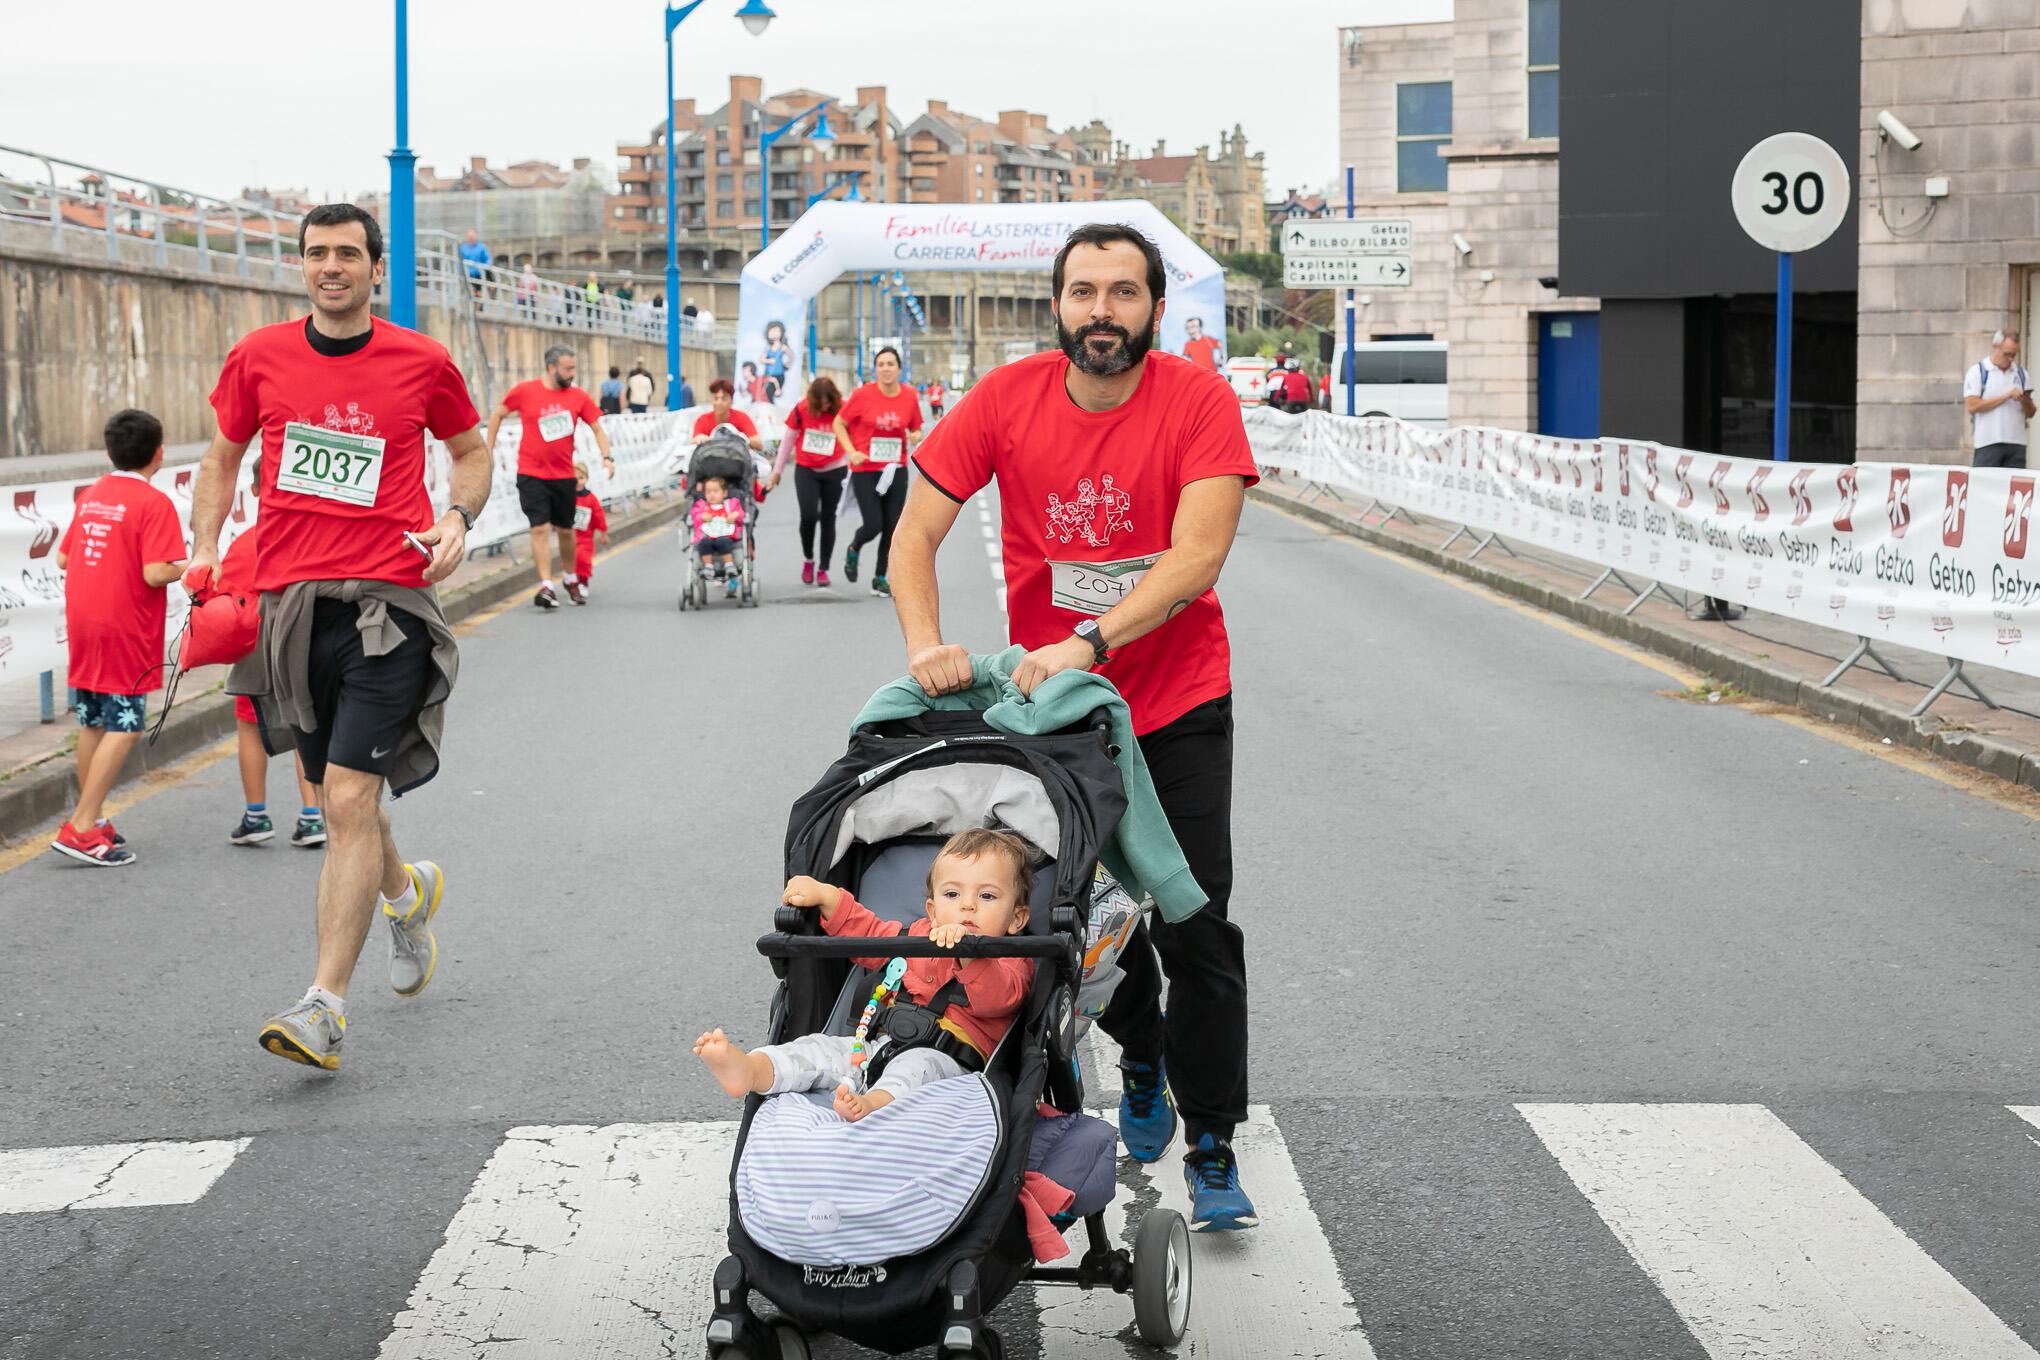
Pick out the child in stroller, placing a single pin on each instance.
(722, 520)
(976, 886)
(905, 1228)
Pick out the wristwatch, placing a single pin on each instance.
(467, 516)
(1089, 631)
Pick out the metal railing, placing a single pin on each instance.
(503, 294)
(90, 213)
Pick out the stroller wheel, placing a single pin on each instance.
(1161, 1278)
(792, 1345)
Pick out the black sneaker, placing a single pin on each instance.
(545, 599)
(253, 829)
(850, 564)
(310, 833)
(575, 593)
(880, 586)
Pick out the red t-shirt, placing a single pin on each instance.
(112, 620)
(802, 422)
(1203, 351)
(935, 394)
(1088, 500)
(870, 414)
(705, 423)
(391, 391)
(545, 409)
(588, 517)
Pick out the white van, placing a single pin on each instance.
(1248, 374)
(1400, 378)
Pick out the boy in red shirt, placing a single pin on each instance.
(976, 886)
(591, 527)
(123, 547)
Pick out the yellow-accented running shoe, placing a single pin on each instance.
(414, 953)
(309, 1033)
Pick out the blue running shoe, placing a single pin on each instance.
(1217, 1204)
(1147, 1113)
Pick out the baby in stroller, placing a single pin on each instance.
(717, 522)
(976, 886)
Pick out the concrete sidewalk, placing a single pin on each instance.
(1765, 655)
(37, 779)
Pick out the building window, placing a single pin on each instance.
(1423, 124)
(750, 181)
(726, 208)
(722, 184)
(1543, 25)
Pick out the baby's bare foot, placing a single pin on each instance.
(729, 1063)
(854, 1107)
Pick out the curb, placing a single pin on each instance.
(2006, 760)
(49, 787)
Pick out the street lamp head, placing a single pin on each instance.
(822, 132)
(756, 15)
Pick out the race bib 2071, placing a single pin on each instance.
(1094, 587)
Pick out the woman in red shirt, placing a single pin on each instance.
(720, 394)
(820, 465)
(878, 425)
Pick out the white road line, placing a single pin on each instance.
(578, 1240)
(1271, 1291)
(112, 1175)
(2029, 1113)
(1762, 1247)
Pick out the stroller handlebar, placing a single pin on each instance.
(1058, 947)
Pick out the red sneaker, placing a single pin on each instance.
(807, 573)
(574, 591)
(94, 847)
(822, 577)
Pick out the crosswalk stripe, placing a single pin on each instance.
(1763, 1248)
(595, 1242)
(2029, 1113)
(112, 1175)
(1272, 1290)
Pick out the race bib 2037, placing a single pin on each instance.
(818, 443)
(330, 464)
(887, 449)
(1094, 587)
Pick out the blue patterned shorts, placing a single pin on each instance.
(113, 712)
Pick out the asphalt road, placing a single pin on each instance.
(1483, 864)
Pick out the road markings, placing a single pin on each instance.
(2003, 793)
(1273, 1290)
(2029, 1113)
(112, 1175)
(1762, 1247)
(594, 1242)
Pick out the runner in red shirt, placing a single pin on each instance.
(820, 465)
(350, 549)
(1200, 349)
(721, 393)
(878, 425)
(937, 395)
(548, 410)
(124, 545)
(1121, 477)
(591, 526)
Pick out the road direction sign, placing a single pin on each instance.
(1345, 271)
(1791, 191)
(1347, 236)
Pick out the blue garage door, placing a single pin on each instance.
(1569, 374)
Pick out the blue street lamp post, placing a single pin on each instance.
(765, 140)
(402, 274)
(755, 15)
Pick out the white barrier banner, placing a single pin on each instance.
(1930, 556)
(32, 589)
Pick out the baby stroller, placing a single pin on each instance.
(873, 825)
(723, 454)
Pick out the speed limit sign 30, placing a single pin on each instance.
(1791, 192)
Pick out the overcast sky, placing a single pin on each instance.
(215, 96)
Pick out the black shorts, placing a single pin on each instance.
(362, 703)
(2001, 455)
(547, 500)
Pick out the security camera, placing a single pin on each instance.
(1462, 245)
(1889, 126)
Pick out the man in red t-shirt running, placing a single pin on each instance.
(356, 658)
(548, 409)
(1121, 477)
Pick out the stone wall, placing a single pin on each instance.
(1965, 76)
(79, 341)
